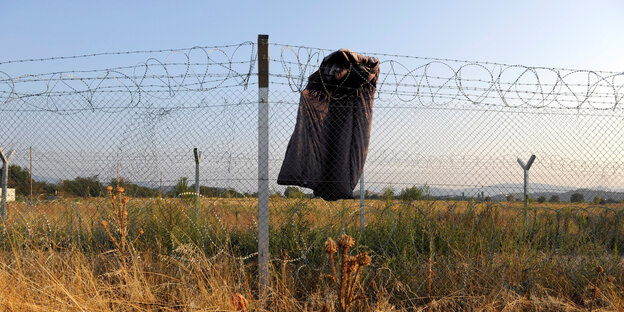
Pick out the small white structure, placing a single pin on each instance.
(10, 194)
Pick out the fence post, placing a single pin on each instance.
(263, 165)
(198, 156)
(5, 181)
(362, 221)
(525, 168)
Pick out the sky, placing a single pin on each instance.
(570, 34)
(562, 34)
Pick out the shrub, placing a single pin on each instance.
(411, 193)
(387, 194)
(293, 192)
(82, 187)
(577, 198)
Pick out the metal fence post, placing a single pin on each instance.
(263, 165)
(198, 156)
(5, 181)
(525, 168)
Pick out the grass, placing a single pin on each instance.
(426, 255)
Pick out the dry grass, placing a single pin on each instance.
(59, 257)
(38, 280)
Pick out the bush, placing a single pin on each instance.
(19, 178)
(541, 199)
(133, 189)
(387, 194)
(293, 192)
(554, 199)
(599, 200)
(577, 198)
(411, 194)
(83, 187)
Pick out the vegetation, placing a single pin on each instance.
(82, 187)
(387, 194)
(294, 192)
(577, 198)
(411, 194)
(134, 189)
(68, 255)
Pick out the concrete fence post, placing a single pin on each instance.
(525, 168)
(198, 157)
(263, 166)
(5, 181)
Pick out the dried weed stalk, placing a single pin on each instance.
(119, 204)
(350, 270)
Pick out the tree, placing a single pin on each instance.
(209, 191)
(19, 178)
(293, 192)
(554, 199)
(541, 199)
(82, 187)
(510, 198)
(387, 194)
(599, 200)
(181, 187)
(411, 194)
(577, 198)
(134, 190)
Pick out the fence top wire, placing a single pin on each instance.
(137, 75)
(405, 81)
(54, 58)
(436, 82)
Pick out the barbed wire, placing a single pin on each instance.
(204, 68)
(427, 81)
(123, 53)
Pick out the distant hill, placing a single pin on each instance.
(499, 190)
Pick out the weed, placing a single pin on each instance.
(350, 269)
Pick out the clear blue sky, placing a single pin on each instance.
(578, 34)
(570, 34)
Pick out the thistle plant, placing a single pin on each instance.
(239, 302)
(595, 290)
(119, 203)
(350, 270)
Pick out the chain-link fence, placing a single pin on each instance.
(442, 192)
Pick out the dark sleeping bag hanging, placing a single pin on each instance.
(328, 147)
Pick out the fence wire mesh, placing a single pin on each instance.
(443, 191)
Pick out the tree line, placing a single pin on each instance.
(19, 178)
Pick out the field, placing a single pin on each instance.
(426, 255)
